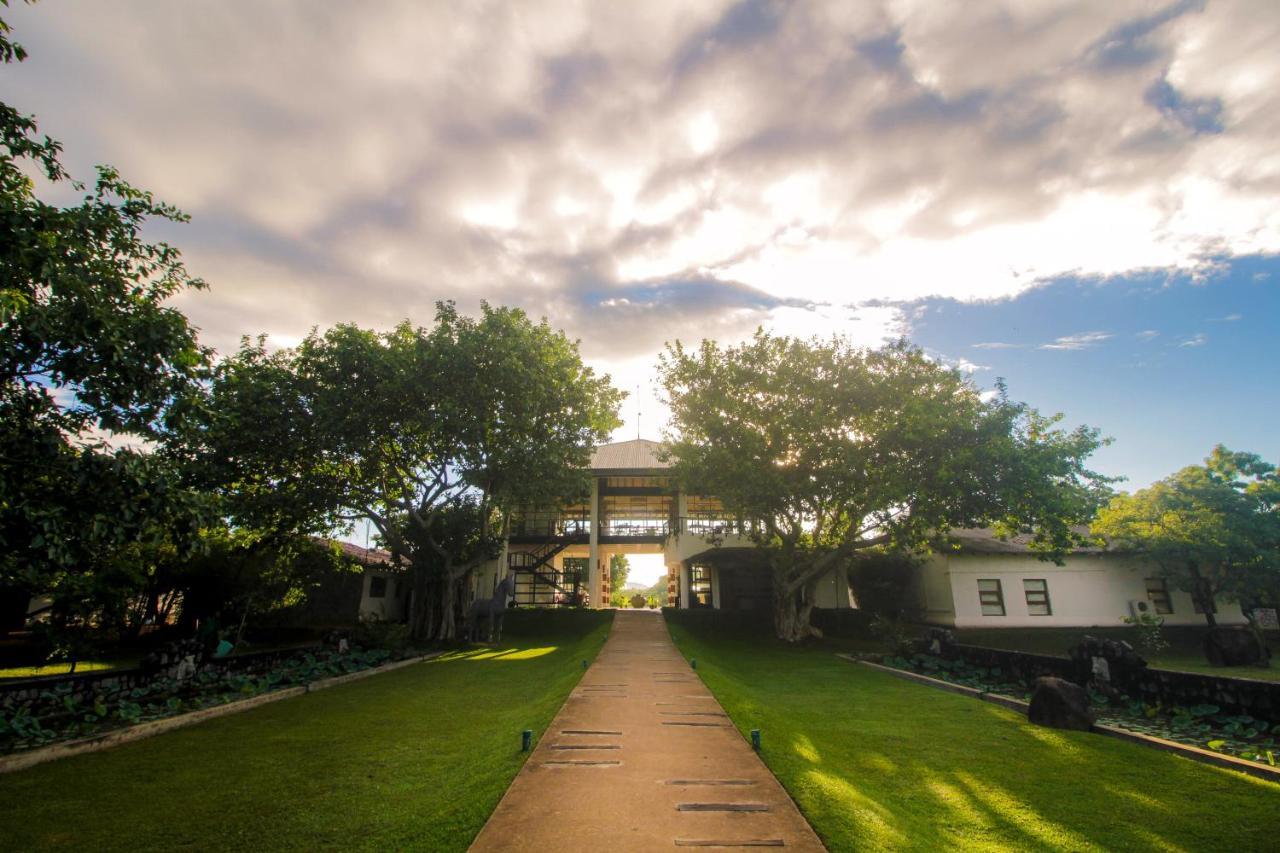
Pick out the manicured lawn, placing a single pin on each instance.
(1184, 653)
(411, 759)
(877, 763)
(63, 668)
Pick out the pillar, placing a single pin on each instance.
(594, 586)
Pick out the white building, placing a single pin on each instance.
(636, 508)
(989, 583)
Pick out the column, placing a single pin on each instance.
(593, 560)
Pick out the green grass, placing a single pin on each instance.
(63, 668)
(1184, 653)
(412, 759)
(877, 763)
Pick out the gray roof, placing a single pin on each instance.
(639, 454)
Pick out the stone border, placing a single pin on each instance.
(106, 740)
(1195, 753)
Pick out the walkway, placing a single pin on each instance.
(642, 757)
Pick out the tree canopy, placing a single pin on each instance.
(416, 430)
(830, 450)
(88, 349)
(1213, 529)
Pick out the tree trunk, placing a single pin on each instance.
(1203, 596)
(448, 625)
(792, 609)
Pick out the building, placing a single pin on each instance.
(384, 587)
(635, 507)
(986, 582)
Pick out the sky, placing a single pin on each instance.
(1081, 198)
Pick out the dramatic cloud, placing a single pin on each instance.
(640, 172)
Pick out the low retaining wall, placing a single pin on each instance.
(106, 740)
(1257, 698)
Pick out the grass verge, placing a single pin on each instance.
(412, 759)
(876, 763)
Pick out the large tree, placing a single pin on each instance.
(88, 349)
(1212, 529)
(831, 450)
(433, 435)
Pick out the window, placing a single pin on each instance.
(377, 586)
(991, 598)
(700, 586)
(1037, 592)
(1158, 595)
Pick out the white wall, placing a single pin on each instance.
(389, 608)
(1090, 590)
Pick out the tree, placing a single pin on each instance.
(88, 349)
(1212, 529)
(433, 435)
(830, 450)
(619, 568)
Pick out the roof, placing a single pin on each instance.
(639, 454)
(366, 556)
(983, 540)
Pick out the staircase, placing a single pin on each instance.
(530, 569)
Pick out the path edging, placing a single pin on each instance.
(139, 731)
(1195, 753)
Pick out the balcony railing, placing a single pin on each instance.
(635, 527)
(552, 526)
(707, 526)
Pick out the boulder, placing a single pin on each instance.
(1060, 704)
(1235, 647)
(940, 642)
(1107, 663)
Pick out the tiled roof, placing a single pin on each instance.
(639, 454)
(367, 556)
(983, 540)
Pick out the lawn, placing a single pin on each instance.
(877, 763)
(1184, 652)
(414, 758)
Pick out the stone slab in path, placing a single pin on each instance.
(642, 757)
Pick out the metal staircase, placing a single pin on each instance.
(532, 578)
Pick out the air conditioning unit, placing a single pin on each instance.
(1138, 607)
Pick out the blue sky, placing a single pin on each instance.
(1167, 366)
(1095, 186)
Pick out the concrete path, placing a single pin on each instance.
(642, 757)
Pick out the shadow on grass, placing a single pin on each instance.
(878, 763)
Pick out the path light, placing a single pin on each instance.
(693, 662)
(584, 664)
(755, 739)
(526, 740)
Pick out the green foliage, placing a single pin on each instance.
(88, 348)
(377, 634)
(1212, 529)
(433, 434)
(831, 450)
(619, 568)
(1150, 630)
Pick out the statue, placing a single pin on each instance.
(492, 609)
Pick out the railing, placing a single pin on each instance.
(551, 526)
(709, 526)
(636, 527)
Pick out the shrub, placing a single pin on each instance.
(1150, 634)
(376, 634)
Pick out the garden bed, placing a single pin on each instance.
(62, 713)
(1204, 726)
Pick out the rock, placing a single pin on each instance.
(1107, 663)
(1235, 647)
(1060, 704)
(940, 642)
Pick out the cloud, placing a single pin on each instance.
(996, 345)
(1084, 340)
(1147, 335)
(1199, 339)
(639, 172)
(1229, 318)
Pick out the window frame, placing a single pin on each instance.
(1161, 601)
(984, 602)
(1042, 593)
(380, 587)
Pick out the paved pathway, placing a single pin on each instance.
(642, 757)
